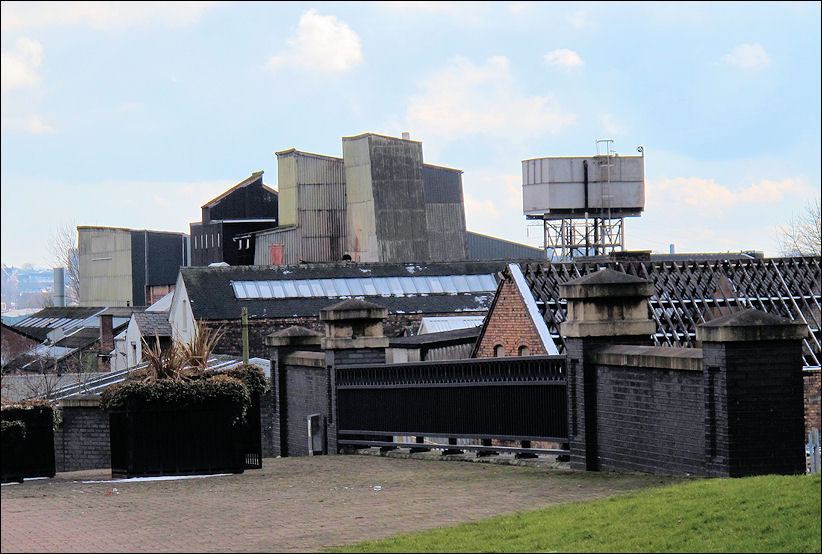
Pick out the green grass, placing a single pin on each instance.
(755, 514)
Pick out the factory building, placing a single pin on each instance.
(225, 232)
(127, 267)
(379, 203)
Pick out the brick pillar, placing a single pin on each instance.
(606, 307)
(281, 345)
(754, 394)
(353, 335)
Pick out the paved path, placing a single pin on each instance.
(291, 505)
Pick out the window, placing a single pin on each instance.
(499, 351)
(523, 351)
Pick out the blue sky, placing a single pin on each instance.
(136, 114)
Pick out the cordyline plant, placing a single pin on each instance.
(176, 376)
(180, 361)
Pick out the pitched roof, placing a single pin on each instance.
(151, 323)
(692, 292)
(38, 324)
(212, 295)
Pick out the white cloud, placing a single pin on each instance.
(479, 209)
(19, 66)
(610, 125)
(748, 56)
(564, 58)
(463, 99)
(100, 15)
(36, 126)
(517, 7)
(708, 195)
(322, 43)
(579, 19)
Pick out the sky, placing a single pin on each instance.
(136, 114)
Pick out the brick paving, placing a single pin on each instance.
(291, 505)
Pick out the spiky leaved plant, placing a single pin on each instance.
(163, 363)
(197, 351)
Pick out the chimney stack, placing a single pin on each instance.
(59, 289)
(406, 135)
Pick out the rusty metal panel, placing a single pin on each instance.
(288, 238)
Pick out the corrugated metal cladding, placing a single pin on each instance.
(482, 247)
(442, 184)
(446, 231)
(452, 352)
(290, 240)
(315, 169)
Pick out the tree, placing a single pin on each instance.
(802, 235)
(65, 254)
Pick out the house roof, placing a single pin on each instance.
(151, 323)
(691, 292)
(38, 325)
(212, 293)
(468, 334)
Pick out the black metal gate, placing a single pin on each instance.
(490, 399)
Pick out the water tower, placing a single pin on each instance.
(583, 201)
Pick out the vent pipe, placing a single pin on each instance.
(672, 249)
(59, 288)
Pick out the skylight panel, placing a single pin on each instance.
(290, 289)
(303, 288)
(434, 284)
(395, 286)
(355, 286)
(265, 289)
(277, 289)
(239, 289)
(329, 286)
(369, 287)
(408, 284)
(316, 288)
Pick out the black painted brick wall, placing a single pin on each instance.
(765, 407)
(650, 420)
(82, 441)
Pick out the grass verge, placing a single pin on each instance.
(756, 514)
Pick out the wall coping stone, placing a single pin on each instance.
(658, 357)
(81, 401)
(606, 283)
(353, 308)
(343, 343)
(294, 336)
(305, 358)
(750, 325)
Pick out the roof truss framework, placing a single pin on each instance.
(688, 293)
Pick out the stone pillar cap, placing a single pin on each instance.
(353, 308)
(750, 325)
(606, 283)
(293, 336)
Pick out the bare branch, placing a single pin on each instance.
(802, 236)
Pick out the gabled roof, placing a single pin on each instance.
(150, 323)
(256, 176)
(691, 292)
(211, 292)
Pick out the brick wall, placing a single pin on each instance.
(82, 440)
(764, 405)
(650, 420)
(510, 325)
(812, 386)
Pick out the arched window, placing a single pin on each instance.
(499, 351)
(523, 351)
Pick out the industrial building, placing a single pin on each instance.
(127, 267)
(378, 203)
(225, 232)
